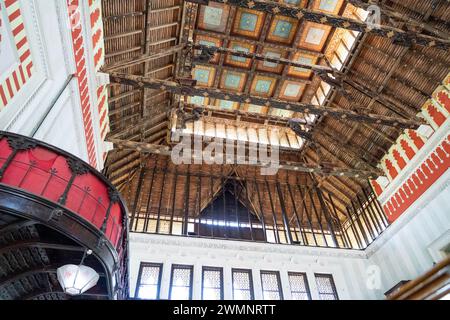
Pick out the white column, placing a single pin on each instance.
(227, 283)
(285, 285)
(312, 285)
(197, 282)
(165, 280)
(257, 287)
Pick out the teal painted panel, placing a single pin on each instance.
(232, 81)
(226, 105)
(254, 108)
(248, 22)
(263, 86)
(213, 16)
(328, 5)
(283, 29)
(292, 90)
(201, 75)
(198, 100)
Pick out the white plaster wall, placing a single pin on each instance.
(346, 266)
(414, 242)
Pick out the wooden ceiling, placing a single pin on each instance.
(379, 77)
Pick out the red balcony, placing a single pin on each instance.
(65, 198)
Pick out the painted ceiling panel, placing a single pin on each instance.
(240, 61)
(227, 105)
(328, 6)
(214, 17)
(263, 86)
(292, 91)
(204, 75)
(233, 80)
(282, 30)
(246, 35)
(254, 108)
(248, 23)
(314, 36)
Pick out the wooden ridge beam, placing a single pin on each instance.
(284, 165)
(398, 36)
(189, 90)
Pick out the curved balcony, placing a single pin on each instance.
(54, 207)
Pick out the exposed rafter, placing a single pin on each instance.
(397, 35)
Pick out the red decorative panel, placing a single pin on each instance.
(376, 187)
(399, 159)
(83, 85)
(418, 141)
(391, 169)
(435, 114)
(431, 169)
(443, 98)
(407, 148)
(19, 76)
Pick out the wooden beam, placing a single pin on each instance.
(245, 40)
(398, 36)
(189, 90)
(284, 165)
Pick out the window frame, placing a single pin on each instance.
(305, 276)
(333, 285)
(250, 276)
(138, 283)
(220, 270)
(280, 286)
(191, 278)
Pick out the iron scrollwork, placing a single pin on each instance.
(77, 168)
(21, 143)
(17, 144)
